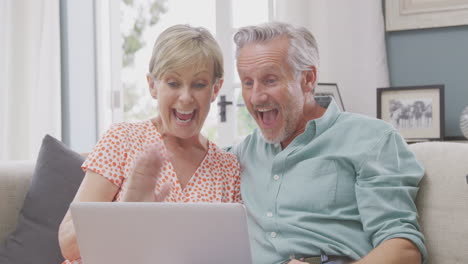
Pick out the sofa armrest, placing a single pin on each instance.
(442, 200)
(15, 178)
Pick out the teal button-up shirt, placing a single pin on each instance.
(344, 186)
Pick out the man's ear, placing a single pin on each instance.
(152, 86)
(308, 79)
(216, 87)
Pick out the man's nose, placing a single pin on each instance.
(258, 95)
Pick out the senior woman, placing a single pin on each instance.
(165, 158)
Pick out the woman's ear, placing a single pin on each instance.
(216, 87)
(152, 86)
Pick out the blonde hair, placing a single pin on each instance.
(180, 46)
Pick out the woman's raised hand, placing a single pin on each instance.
(142, 181)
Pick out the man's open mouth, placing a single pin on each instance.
(268, 116)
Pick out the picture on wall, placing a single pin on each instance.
(324, 92)
(417, 14)
(417, 112)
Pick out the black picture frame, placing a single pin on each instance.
(325, 91)
(417, 112)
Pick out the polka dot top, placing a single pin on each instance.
(215, 180)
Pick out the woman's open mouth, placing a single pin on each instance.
(184, 117)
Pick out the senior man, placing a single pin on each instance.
(320, 185)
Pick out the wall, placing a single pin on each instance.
(352, 47)
(433, 56)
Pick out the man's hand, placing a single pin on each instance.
(393, 251)
(142, 181)
(295, 261)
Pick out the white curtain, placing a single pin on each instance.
(29, 76)
(351, 38)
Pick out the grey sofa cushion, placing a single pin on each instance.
(55, 181)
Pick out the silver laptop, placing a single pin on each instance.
(177, 233)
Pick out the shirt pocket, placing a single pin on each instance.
(310, 185)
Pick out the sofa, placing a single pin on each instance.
(34, 197)
(442, 200)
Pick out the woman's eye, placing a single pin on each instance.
(173, 84)
(271, 81)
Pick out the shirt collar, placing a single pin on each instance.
(326, 120)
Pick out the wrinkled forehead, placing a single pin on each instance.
(268, 52)
(263, 58)
(260, 70)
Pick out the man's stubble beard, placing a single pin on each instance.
(291, 116)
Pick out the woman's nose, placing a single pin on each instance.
(186, 95)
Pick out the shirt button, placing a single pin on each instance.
(276, 177)
(270, 214)
(273, 234)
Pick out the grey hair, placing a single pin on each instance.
(182, 45)
(303, 49)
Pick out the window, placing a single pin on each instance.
(142, 21)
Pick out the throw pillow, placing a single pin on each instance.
(56, 179)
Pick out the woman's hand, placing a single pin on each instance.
(142, 181)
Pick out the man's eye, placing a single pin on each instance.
(271, 81)
(200, 85)
(248, 83)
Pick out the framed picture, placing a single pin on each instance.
(416, 111)
(325, 91)
(417, 14)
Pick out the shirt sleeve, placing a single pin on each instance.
(238, 149)
(109, 156)
(230, 170)
(236, 183)
(386, 188)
